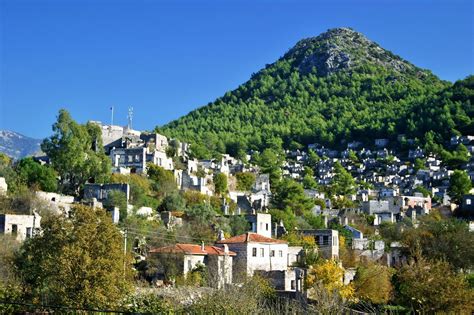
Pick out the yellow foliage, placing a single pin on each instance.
(330, 275)
(308, 241)
(342, 241)
(295, 239)
(373, 283)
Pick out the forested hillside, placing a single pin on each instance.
(330, 89)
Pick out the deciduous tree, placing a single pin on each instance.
(76, 153)
(77, 260)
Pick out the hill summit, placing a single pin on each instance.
(329, 89)
(343, 49)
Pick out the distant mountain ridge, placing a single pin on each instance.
(330, 89)
(17, 145)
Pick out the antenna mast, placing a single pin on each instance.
(130, 117)
(112, 116)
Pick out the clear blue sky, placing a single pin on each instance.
(166, 58)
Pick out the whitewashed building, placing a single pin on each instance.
(20, 226)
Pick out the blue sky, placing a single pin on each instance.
(166, 58)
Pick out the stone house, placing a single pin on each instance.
(59, 203)
(188, 256)
(375, 206)
(3, 186)
(101, 191)
(260, 223)
(20, 226)
(327, 241)
(255, 252)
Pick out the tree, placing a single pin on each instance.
(173, 202)
(459, 185)
(245, 180)
(290, 195)
(329, 275)
(76, 261)
(239, 225)
(313, 159)
(220, 183)
(437, 239)
(343, 182)
(420, 164)
(309, 182)
(141, 192)
(76, 153)
(432, 286)
(372, 283)
(117, 198)
(36, 175)
(270, 163)
(165, 182)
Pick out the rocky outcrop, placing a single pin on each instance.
(343, 49)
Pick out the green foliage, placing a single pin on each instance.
(371, 100)
(173, 202)
(245, 181)
(423, 190)
(290, 195)
(250, 298)
(220, 183)
(286, 216)
(76, 261)
(373, 284)
(164, 180)
(316, 221)
(36, 175)
(270, 162)
(343, 183)
(147, 303)
(432, 286)
(448, 240)
(456, 158)
(238, 224)
(76, 153)
(202, 213)
(420, 164)
(459, 185)
(141, 190)
(117, 199)
(309, 182)
(14, 182)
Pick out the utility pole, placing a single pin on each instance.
(125, 234)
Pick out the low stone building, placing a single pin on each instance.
(20, 226)
(256, 252)
(189, 256)
(327, 241)
(3, 186)
(101, 192)
(60, 204)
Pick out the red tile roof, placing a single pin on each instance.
(191, 249)
(250, 237)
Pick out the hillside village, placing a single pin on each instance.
(239, 225)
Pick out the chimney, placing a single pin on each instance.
(202, 246)
(220, 235)
(226, 249)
